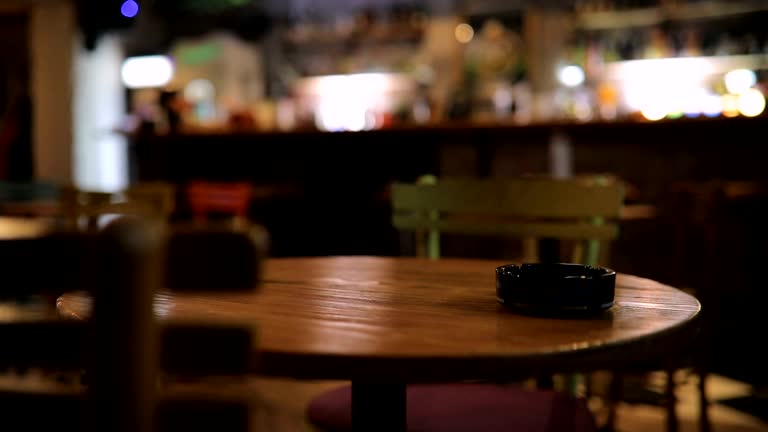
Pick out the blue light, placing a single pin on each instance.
(129, 9)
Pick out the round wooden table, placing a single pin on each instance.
(383, 322)
(15, 227)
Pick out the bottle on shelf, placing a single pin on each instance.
(691, 44)
(658, 45)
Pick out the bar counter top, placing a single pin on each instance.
(641, 151)
(462, 128)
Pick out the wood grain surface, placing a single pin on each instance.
(15, 227)
(415, 319)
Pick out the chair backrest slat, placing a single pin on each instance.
(561, 230)
(71, 205)
(567, 209)
(520, 198)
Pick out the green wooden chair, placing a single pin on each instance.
(582, 211)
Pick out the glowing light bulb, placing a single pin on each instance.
(464, 33)
(572, 76)
(739, 80)
(711, 105)
(730, 105)
(751, 103)
(199, 90)
(129, 9)
(654, 112)
(147, 71)
(675, 114)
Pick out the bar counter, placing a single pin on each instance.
(340, 180)
(639, 151)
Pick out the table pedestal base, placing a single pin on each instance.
(378, 407)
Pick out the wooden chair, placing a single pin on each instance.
(89, 208)
(584, 210)
(123, 352)
(581, 210)
(702, 231)
(710, 232)
(74, 207)
(540, 211)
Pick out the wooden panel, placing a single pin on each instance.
(53, 26)
(529, 197)
(14, 227)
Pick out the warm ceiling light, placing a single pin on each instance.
(751, 103)
(464, 33)
(739, 80)
(572, 76)
(147, 71)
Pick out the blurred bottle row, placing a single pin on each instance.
(380, 69)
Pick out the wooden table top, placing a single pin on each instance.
(31, 208)
(15, 227)
(416, 319)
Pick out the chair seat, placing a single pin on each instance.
(465, 408)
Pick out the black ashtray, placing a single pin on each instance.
(555, 288)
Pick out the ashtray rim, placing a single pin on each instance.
(599, 272)
(567, 288)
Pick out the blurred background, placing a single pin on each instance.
(348, 65)
(320, 105)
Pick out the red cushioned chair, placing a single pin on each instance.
(467, 408)
(228, 199)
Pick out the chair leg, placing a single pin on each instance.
(545, 383)
(671, 401)
(589, 385)
(615, 392)
(704, 422)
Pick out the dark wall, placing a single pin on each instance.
(15, 106)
